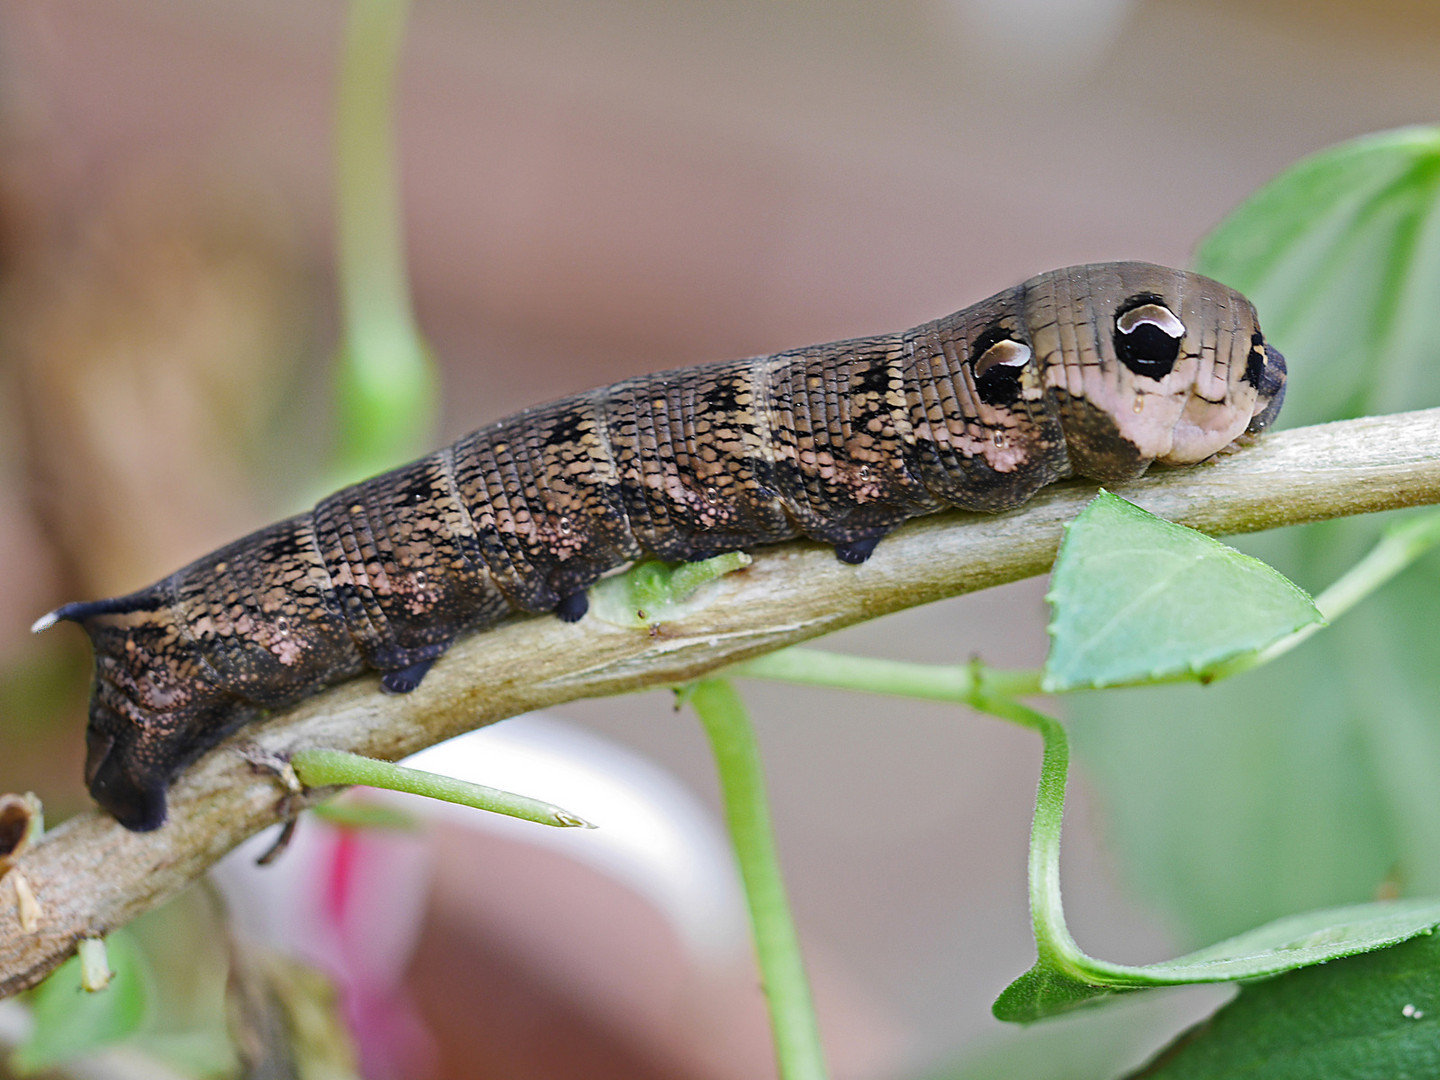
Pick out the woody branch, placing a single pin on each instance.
(90, 876)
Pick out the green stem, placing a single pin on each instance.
(1047, 914)
(1401, 545)
(747, 813)
(994, 692)
(327, 768)
(990, 692)
(934, 682)
(386, 379)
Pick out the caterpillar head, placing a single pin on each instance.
(1150, 364)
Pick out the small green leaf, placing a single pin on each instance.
(1137, 598)
(1373, 1017)
(1063, 980)
(1045, 990)
(1088, 1044)
(651, 593)
(70, 1022)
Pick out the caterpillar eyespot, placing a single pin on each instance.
(1090, 371)
(1148, 336)
(1006, 353)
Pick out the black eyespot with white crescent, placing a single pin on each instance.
(997, 359)
(1148, 336)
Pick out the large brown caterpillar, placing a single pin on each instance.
(1091, 371)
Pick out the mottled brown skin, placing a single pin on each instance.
(839, 443)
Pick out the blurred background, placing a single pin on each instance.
(591, 191)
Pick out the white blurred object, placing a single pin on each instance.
(652, 834)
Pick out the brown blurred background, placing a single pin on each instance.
(594, 190)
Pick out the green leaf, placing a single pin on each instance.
(651, 592)
(1064, 977)
(1341, 254)
(1135, 598)
(70, 1022)
(1060, 982)
(1370, 1017)
(1311, 784)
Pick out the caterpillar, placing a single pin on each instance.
(1091, 371)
